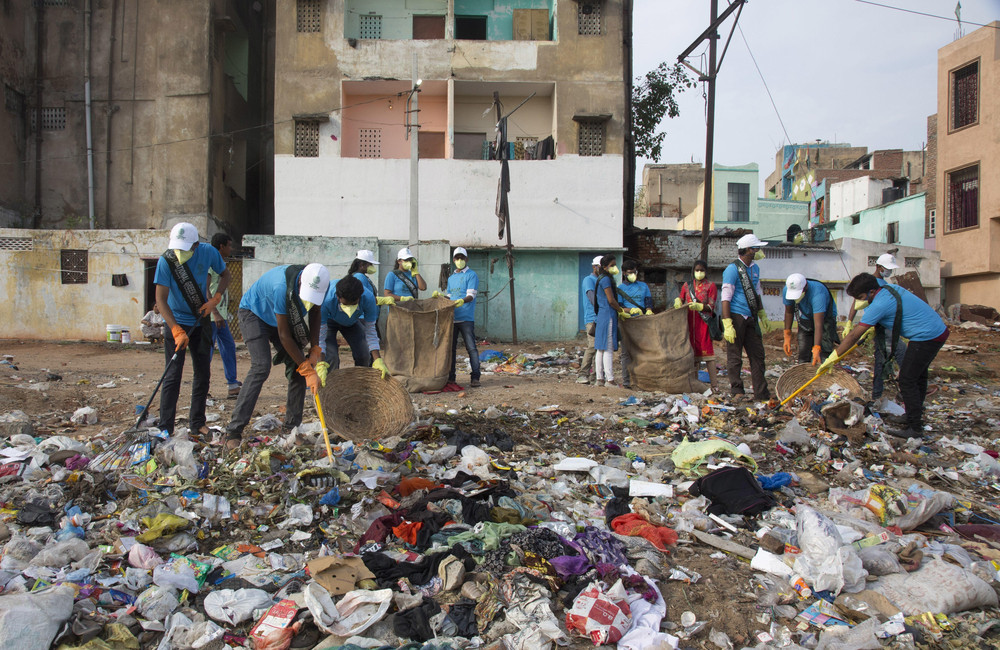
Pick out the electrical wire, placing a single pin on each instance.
(923, 13)
(769, 96)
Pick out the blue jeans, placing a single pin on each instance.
(878, 381)
(222, 336)
(467, 330)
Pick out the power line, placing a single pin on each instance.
(773, 105)
(923, 13)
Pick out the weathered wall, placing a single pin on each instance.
(908, 213)
(774, 217)
(17, 43)
(672, 190)
(853, 196)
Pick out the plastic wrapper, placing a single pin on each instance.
(184, 633)
(235, 606)
(356, 612)
(177, 574)
(141, 556)
(825, 563)
(156, 603)
(31, 621)
(601, 615)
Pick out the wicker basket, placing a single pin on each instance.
(358, 404)
(798, 375)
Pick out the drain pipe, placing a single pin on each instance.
(86, 97)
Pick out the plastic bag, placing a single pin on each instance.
(32, 620)
(859, 637)
(142, 557)
(177, 574)
(825, 563)
(475, 461)
(235, 606)
(300, 514)
(356, 612)
(794, 434)
(601, 615)
(61, 553)
(937, 587)
(184, 634)
(156, 603)
(136, 579)
(689, 456)
(160, 525)
(18, 552)
(879, 561)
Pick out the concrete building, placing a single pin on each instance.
(343, 78)
(670, 191)
(897, 222)
(795, 163)
(968, 150)
(124, 114)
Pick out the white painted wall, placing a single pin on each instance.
(855, 195)
(571, 202)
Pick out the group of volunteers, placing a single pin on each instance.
(891, 314)
(297, 310)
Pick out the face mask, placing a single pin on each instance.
(631, 277)
(183, 256)
(758, 256)
(799, 299)
(886, 273)
(348, 309)
(612, 270)
(371, 270)
(308, 305)
(407, 266)
(699, 275)
(459, 264)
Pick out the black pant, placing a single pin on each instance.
(913, 379)
(747, 338)
(200, 347)
(259, 337)
(829, 341)
(354, 334)
(467, 330)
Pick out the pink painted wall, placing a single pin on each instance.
(433, 117)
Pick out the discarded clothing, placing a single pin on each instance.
(635, 526)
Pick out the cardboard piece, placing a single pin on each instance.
(338, 574)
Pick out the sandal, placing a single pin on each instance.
(233, 442)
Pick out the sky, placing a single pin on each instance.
(838, 70)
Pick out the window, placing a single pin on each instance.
(524, 148)
(965, 96)
(370, 143)
(308, 15)
(912, 262)
(371, 26)
(53, 119)
(306, 139)
(892, 232)
(16, 243)
(531, 25)
(855, 219)
(591, 136)
(73, 264)
(428, 27)
(963, 198)
(739, 202)
(588, 18)
(471, 146)
(470, 28)
(872, 260)
(932, 224)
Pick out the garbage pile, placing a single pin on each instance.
(664, 521)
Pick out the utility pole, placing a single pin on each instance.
(413, 132)
(712, 34)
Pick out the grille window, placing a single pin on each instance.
(965, 96)
(588, 18)
(739, 201)
(963, 198)
(53, 119)
(306, 139)
(17, 244)
(369, 143)
(73, 264)
(371, 26)
(53, 3)
(912, 262)
(932, 224)
(308, 14)
(591, 138)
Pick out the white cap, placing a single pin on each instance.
(366, 256)
(314, 282)
(183, 236)
(404, 254)
(887, 261)
(597, 260)
(795, 285)
(749, 241)
(459, 251)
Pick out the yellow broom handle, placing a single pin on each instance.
(322, 423)
(815, 377)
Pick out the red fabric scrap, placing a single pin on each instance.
(407, 531)
(634, 525)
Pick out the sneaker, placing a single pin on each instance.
(582, 380)
(234, 390)
(474, 383)
(906, 433)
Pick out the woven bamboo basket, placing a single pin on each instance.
(358, 404)
(798, 375)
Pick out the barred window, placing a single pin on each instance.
(591, 136)
(965, 96)
(306, 139)
(739, 202)
(932, 224)
(16, 243)
(963, 198)
(369, 143)
(73, 264)
(308, 15)
(371, 26)
(588, 18)
(53, 119)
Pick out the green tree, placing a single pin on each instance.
(653, 97)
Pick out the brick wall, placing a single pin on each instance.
(930, 178)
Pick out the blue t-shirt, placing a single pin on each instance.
(367, 309)
(589, 284)
(205, 257)
(266, 297)
(365, 281)
(881, 282)
(396, 287)
(920, 321)
(739, 305)
(637, 291)
(458, 289)
(817, 300)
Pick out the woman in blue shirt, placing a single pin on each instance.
(404, 282)
(636, 299)
(606, 336)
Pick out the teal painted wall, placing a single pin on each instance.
(397, 17)
(872, 223)
(722, 177)
(500, 15)
(775, 216)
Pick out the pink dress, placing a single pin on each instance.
(705, 293)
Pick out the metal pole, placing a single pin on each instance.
(706, 217)
(510, 247)
(413, 128)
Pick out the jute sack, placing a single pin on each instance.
(417, 345)
(662, 356)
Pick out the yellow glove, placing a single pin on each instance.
(788, 343)
(322, 369)
(459, 303)
(405, 298)
(816, 351)
(867, 336)
(379, 364)
(848, 326)
(384, 300)
(413, 268)
(826, 365)
(677, 302)
(696, 306)
(765, 322)
(624, 315)
(728, 331)
(635, 310)
(860, 304)
(649, 312)
(210, 304)
(180, 337)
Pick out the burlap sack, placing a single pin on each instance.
(417, 345)
(662, 356)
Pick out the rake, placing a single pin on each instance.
(134, 445)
